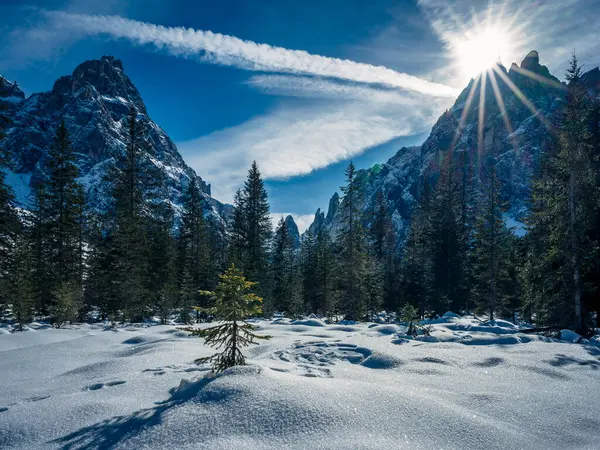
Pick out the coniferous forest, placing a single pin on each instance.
(143, 257)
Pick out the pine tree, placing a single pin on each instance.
(257, 221)
(102, 287)
(574, 161)
(22, 286)
(9, 227)
(163, 254)
(353, 246)
(447, 252)
(383, 247)
(67, 303)
(286, 290)
(233, 304)
(560, 244)
(416, 268)
(64, 199)
(309, 269)
(491, 241)
(238, 231)
(326, 297)
(129, 233)
(40, 246)
(193, 250)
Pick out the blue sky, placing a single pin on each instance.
(370, 77)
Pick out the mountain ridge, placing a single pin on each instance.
(519, 147)
(93, 102)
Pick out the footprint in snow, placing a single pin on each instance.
(38, 398)
(2, 409)
(96, 386)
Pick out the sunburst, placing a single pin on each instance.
(478, 51)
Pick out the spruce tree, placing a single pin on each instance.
(562, 214)
(309, 269)
(233, 305)
(193, 250)
(416, 281)
(129, 233)
(324, 274)
(383, 245)
(67, 303)
(574, 161)
(22, 281)
(258, 230)
(491, 246)
(238, 231)
(163, 253)
(447, 252)
(64, 200)
(286, 290)
(9, 227)
(352, 242)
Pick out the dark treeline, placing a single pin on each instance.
(140, 258)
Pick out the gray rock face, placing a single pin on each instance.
(293, 231)
(10, 92)
(518, 146)
(94, 103)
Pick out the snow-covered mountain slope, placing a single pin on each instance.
(471, 385)
(518, 146)
(94, 103)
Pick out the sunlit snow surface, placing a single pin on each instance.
(311, 386)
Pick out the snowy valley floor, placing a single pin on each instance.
(311, 386)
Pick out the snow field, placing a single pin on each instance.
(312, 386)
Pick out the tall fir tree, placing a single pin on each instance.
(9, 225)
(193, 250)
(129, 233)
(285, 277)
(383, 245)
(491, 246)
(564, 201)
(258, 229)
(353, 254)
(416, 280)
(63, 223)
(447, 252)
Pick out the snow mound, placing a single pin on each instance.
(381, 361)
(309, 323)
(569, 336)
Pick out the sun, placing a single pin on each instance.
(480, 52)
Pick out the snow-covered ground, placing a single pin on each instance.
(312, 386)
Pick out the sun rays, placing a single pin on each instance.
(478, 51)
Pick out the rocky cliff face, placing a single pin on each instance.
(515, 129)
(94, 102)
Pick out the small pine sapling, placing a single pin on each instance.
(409, 314)
(233, 304)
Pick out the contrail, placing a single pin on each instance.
(231, 51)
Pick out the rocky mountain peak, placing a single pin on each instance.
(334, 203)
(531, 64)
(293, 231)
(94, 103)
(98, 78)
(10, 90)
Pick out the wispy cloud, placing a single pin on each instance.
(231, 51)
(315, 87)
(295, 141)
